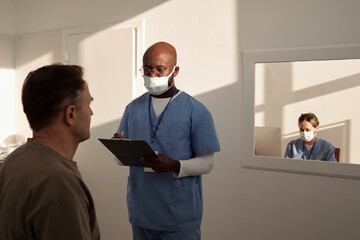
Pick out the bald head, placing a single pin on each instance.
(161, 54)
(160, 61)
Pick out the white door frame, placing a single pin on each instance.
(138, 28)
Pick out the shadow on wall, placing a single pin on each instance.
(7, 51)
(117, 12)
(106, 180)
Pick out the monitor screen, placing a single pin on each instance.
(268, 141)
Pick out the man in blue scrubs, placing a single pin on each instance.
(165, 200)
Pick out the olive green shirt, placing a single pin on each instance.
(42, 196)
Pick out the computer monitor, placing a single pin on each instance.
(268, 141)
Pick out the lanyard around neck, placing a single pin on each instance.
(153, 133)
(311, 150)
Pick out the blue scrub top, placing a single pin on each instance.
(322, 150)
(160, 201)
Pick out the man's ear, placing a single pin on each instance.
(176, 71)
(70, 114)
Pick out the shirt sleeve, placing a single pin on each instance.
(199, 165)
(204, 139)
(330, 156)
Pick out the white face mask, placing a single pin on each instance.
(307, 136)
(157, 85)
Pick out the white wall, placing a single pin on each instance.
(7, 86)
(40, 15)
(209, 35)
(31, 52)
(7, 16)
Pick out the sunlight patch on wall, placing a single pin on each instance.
(199, 84)
(260, 81)
(7, 92)
(259, 119)
(321, 106)
(311, 73)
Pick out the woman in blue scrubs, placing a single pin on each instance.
(309, 146)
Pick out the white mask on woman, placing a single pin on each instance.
(307, 136)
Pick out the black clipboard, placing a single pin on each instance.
(129, 151)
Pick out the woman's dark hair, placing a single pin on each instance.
(310, 117)
(48, 90)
